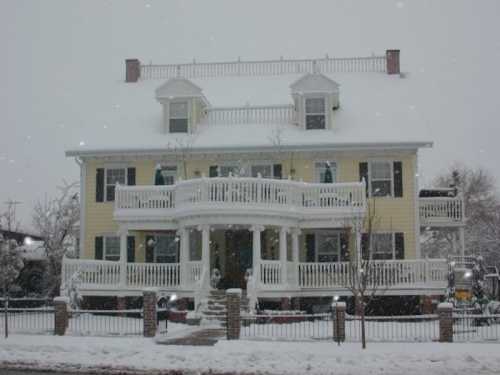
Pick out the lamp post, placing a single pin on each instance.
(336, 317)
(170, 303)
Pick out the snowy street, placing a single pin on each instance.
(136, 354)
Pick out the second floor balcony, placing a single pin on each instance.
(246, 195)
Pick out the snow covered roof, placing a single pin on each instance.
(178, 87)
(376, 111)
(314, 83)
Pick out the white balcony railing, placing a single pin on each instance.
(166, 275)
(100, 273)
(270, 273)
(383, 274)
(441, 211)
(239, 194)
(278, 114)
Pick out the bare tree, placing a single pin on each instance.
(277, 140)
(482, 210)
(182, 148)
(11, 264)
(55, 220)
(363, 277)
(8, 218)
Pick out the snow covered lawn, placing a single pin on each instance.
(325, 357)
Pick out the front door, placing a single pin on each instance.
(238, 258)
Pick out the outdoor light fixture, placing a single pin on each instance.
(28, 241)
(467, 274)
(336, 298)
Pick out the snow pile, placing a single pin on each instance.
(66, 353)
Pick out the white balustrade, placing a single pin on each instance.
(278, 114)
(153, 275)
(99, 273)
(264, 68)
(382, 274)
(193, 270)
(270, 272)
(238, 192)
(441, 210)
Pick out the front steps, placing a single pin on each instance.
(214, 310)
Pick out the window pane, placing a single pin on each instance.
(179, 110)
(264, 170)
(110, 193)
(224, 170)
(381, 170)
(166, 249)
(315, 105)
(321, 169)
(178, 125)
(114, 176)
(112, 247)
(328, 247)
(382, 246)
(381, 188)
(315, 121)
(169, 174)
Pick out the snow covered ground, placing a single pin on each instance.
(72, 353)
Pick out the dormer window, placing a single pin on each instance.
(315, 113)
(178, 120)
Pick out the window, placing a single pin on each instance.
(328, 246)
(112, 248)
(165, 175)
(381, 178)
(114, 176)
(225, 170)
(321, 168)
(178, 122)
(315, 113)
(382, 246)
(265, 170)
(165, 248)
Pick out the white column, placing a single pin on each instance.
(461, 233)
(205, 249)
(357, 232)
(123, 232)
(256, 252)
(295, 255)
(283, 254)
(184, 255)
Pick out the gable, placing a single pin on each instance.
(178, 87)
(316, 82)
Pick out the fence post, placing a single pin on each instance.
(149, 313)
(445, 312)
(338, 318)
(233, 297)
(61, 318)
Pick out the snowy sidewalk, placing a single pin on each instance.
(110, 353)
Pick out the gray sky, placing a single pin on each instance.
(60, 58)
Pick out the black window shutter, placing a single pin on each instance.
(98, 247)
(310, 247)
(131, 176)
(277, 171)
(398, 179)
(150, 249)
(99, 185)
(344, 246)
(365, 251)
(363, 173)
(213, 171)
(131, 249)
(400, 245)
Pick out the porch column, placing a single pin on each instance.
(357, 227)
(283, 254)
(256, 253)
(295, 254)
(123, 233)
(205, 249)
(461, 233)
(184, 255)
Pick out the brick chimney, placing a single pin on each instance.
(132, 70)
(392, 61)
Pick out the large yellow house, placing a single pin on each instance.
(269, 169)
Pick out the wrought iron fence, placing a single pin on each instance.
(408, 328)
(476, 327)
(28, 320)
(105, 322)
(287, 326)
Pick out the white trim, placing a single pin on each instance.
(104, 246)
(125, 168)
(418, 251)
(380, 160)
(188, 117)
(315, 96)
(83, 204)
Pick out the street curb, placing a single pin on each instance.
(64, 368)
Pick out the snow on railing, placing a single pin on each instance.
(441, 210)
(153, 275)
(265, 67)
(382, 273)
(97, 272)
(277, 114)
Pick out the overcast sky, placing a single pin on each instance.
(59, 59)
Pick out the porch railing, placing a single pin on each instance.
(240, 193)
(441, 210)
(153, 274)
(276, 114)
(270, 273)
(96, 272)
(264, 67)
(387, 273)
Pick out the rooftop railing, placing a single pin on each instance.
(277, 114)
